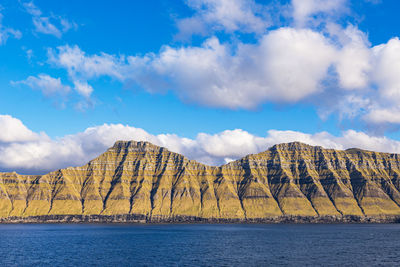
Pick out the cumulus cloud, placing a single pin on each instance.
(52, 25)
(82, 66)
(304, 11)
(48, 85)
(286, 65)
(25, 151)
(13, 130)
(224, 15)
(354, 60)
(375, 70)
(387, 69)
(381, 115)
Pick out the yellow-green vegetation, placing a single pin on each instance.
(291, 179)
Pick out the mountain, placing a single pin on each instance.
(138, 181)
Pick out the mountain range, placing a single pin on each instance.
(141, 182)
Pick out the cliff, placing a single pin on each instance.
(138, 181)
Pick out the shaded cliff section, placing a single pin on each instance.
(140, 182)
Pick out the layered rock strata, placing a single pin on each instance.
(138, 181)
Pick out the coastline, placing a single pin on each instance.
(142, 219)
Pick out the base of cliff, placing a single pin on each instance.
(130, 218)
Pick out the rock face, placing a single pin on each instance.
(140, 181)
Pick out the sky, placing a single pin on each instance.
(211, 79)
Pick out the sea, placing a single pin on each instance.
(200, 245)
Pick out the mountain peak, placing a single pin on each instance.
(138, 145)
(293, 146)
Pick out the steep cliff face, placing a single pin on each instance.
(139, 178)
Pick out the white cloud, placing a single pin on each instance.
(286, 65)
(13, 130)
(28, 152)
(381, 115)
(6, 32)
(354, 60)
(387, 69)
(32, 9)
(48, 85)
(67, 25)
(82, 66)
(52, 25)
(381, 76)
(83, 88)
(224, 15)
(304, 11)
(43, 25)
(296, 61)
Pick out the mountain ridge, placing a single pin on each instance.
(141, 181)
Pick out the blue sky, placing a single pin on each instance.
(212, 79)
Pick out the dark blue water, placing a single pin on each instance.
(199, 245)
